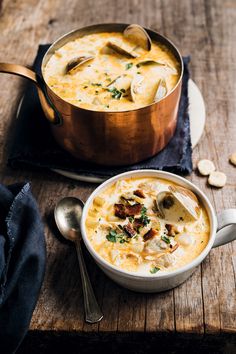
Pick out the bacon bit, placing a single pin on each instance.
(132, 210)
(129, 230)
(172, 249)
(149, 235)
(139, 193)
(170, 229)
(120, 211)
(138, 223)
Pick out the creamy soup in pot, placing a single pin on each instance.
(111, 72)
(126, 228)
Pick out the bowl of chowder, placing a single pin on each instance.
(144, 247)
(110, 91)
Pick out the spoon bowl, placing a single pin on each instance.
(67, 215)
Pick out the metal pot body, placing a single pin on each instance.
(114, 138)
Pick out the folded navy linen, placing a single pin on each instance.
(22, 263)
(30, 149)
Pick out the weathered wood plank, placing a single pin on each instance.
(132, 310)
(206, 30)
(159, 312)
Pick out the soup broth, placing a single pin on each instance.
(111, 80)
(125, 228)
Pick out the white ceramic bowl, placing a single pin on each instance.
(164, 281)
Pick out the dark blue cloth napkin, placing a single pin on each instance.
(22, 263)
(34, 145)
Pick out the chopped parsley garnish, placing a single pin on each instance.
(116, 93)
(131, 219)
(154, 270)
(114, 237)
(128, 66)
(144, 219)
(138, 72)
(111, 236)
(96, 84)
(85, 86)
(165, 239)
(144, 210)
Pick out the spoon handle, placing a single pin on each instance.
(93, 312)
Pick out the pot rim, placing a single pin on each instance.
(86, 28)
(159, 174)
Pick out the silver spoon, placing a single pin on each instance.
(67, 215)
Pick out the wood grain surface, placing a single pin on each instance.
(206, 30)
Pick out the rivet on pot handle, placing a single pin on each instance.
(224, 235)
(49, 109)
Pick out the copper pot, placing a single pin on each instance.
(107, 138)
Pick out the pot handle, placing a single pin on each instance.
(225, 234)
(49, 109)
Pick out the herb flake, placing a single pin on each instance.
(111, 236)
(128, 66)
(116, 93)
(114, 237)
(154, 270)
(96, 84)
(144, 218)
(165, 239)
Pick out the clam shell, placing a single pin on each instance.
(161, 90)
(136, 90)
(151, 62)
(159, 202)
(121, 82)
(138, 35)
(75, 63)
(174, 197)
(121, 50)
(167, 66)
(187, 199)
(135, 87)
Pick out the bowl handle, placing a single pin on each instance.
(48, 107)
(225, 234)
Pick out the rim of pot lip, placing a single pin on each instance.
(165, 40)
(159, 174)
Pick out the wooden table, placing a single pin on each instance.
(201, 313)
